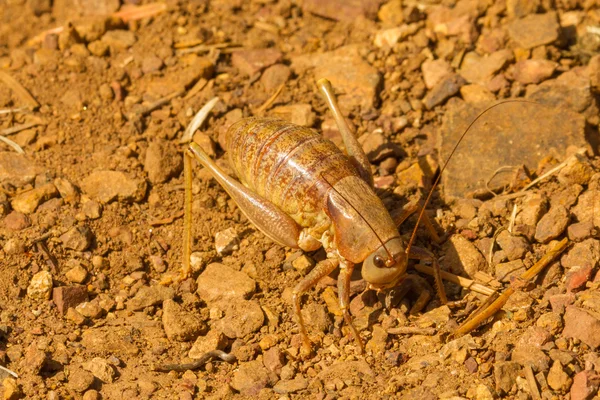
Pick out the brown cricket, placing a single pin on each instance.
(301, 191)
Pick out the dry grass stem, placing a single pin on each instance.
(198, 120)
(8, 371)
(165, 221)
(270, 100)
(12, 110)
(459, 280)
(134, 13)
(16, 87)
(196, 88)
(12, 144)
(513, 216)
(184, 44)
(158, 103)
(19, 128)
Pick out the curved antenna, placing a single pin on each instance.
(437, 179)
(391, 257)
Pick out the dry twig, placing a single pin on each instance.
(513, 216)
(184, 44)
(134, 13)
(459, 280)
(165, 221)
(473, 323)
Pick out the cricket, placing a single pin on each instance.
(301, 191)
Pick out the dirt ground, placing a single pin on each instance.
(91, 227)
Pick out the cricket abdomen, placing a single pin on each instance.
(290, 165)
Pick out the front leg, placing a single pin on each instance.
(322, 269)
(344, 277)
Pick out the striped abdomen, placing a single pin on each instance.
(290, 165)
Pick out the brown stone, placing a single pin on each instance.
(162, 161)
(220, 282)
(251, 61)
(434, 71)
(242, 318)
(16, 221)
(179, 324)
(213, 340)
(78, 238)
(533, 71)
(475, 94)
(107, 186)
(462, 257)
(571, 90)
(505, 374)
(358, 82)
(68, 296)
(29, 201)
(498, 141)
(583, 325)
(251, 377)
(535, 30)
(299, 114)
(150, 296)
(585, 385)
(559, 302)
(343, 10)
(443, 90)
(274, 360)
(480, 70)
(274, 76)
(16, 169)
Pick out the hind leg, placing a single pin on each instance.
(269, 218)
(353, 148)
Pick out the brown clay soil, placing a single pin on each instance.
(91, 214)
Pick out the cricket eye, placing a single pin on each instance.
(379, 262)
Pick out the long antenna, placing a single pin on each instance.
(437, 179)
(391, 257)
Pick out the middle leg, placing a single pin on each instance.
(418, 253)
(409, 209)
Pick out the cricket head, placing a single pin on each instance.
(386, 267)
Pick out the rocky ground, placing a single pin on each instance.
(91, 214)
